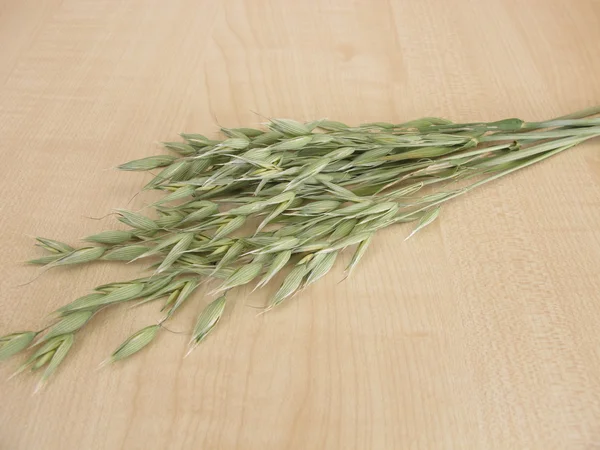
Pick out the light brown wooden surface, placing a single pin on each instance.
(482, 332)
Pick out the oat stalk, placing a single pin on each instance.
(284, 201)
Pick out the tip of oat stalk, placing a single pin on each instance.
(38, 388)
(104, 363)
(190, 350)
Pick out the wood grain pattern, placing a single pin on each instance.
(479, 333)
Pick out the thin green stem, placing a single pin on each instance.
(535, 150)
(591, 111)
(562, 123)
(489, 179)
(481, 151)
(586, 131)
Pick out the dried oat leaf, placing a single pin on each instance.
(110, 237)
(274, 214)
(268, 138)
(232, 253)
(308, 172)
(358, 254)
(319, 266)
(331, 125)
(89, 301)
(79, 256)
(229, 227)
(425, 220)
(202, 213)
(182, 149)
(207, 320)
(68, 324)
(58, 356)
(128, 292)
(134, 343)
(241, 276)
(291, 144)
(136, 220)
(149, 163)
(278, 263)
(290, 285)
(54, 246)
(177, 250)
(189, 287)
(14, 343)
(352, 239)
(280, 244)
(127, 253)
(165, 242)
(247, 209)
(343, 229)
(289, 126)
(177, 194)
(319, 207)
(42, 261)
(175, 169)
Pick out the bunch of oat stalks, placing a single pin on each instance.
(288, 199)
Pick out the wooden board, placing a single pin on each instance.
(479, 333)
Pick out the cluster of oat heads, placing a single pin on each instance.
(285, 200)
